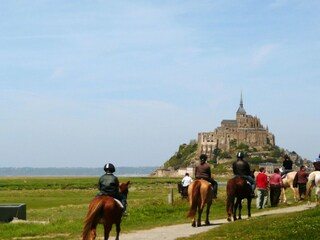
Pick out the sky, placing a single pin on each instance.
(84, 83)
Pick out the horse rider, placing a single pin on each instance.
(316, 164)
(185, 182)
(287, 165)
(203, 171)
(109, 186)
(241, 168)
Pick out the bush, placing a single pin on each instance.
(255, 160)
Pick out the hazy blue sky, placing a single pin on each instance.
(83, 83)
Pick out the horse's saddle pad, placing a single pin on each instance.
(118, 202)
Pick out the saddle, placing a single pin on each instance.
(243, 177)
(110, 195)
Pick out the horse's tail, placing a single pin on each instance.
(194, 198)
(95, 208)
(310, 183)
(230, 196)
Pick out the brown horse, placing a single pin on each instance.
(238, 188)
(200, 193)
(104, 210)
(288, 183)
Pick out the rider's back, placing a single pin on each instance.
(241, 167)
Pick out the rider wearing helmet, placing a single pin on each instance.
(109, 186)
(287, 165)
(203, 171)
(316, 164)
(242, 168)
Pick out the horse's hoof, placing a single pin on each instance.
(229, 219)
(207, 223)
(193, 224)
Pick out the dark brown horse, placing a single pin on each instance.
(104, 210)
(200, 193)
(238, 189)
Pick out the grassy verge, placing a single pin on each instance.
(300, 225)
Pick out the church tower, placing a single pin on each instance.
(241, 112)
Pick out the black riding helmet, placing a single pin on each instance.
(109, 167)
(240, 155)
(203, 157)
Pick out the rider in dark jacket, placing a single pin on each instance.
(203, 171)
(109, 185)
(242, 168)
(287, 165)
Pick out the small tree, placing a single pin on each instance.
(233, 144)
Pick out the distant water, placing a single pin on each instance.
(120, 171)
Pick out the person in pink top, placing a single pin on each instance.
(262, 188)
(275, 182)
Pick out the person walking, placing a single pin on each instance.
(275, 187)
(301, 180)
(262, 189)
(203, 171)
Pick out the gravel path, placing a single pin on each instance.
(185, 230)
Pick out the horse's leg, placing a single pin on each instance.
(230, 206)
(118, 230)
(283, 193)
(249, 206)
(236, 205)
(193, 222)
(207, 213)
(107, 229)
(240, 208)
(295, 193)
(200, 210)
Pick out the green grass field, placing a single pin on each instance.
(56, 208)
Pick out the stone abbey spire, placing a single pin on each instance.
(241, 110)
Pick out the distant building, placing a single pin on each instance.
(246, 129)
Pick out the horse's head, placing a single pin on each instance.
(124, 188)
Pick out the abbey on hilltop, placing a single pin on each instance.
(246, 129)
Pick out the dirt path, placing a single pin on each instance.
(185, 230)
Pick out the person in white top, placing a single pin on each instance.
(185, 182)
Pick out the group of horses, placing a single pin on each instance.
(237, 189)
(108, 211)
